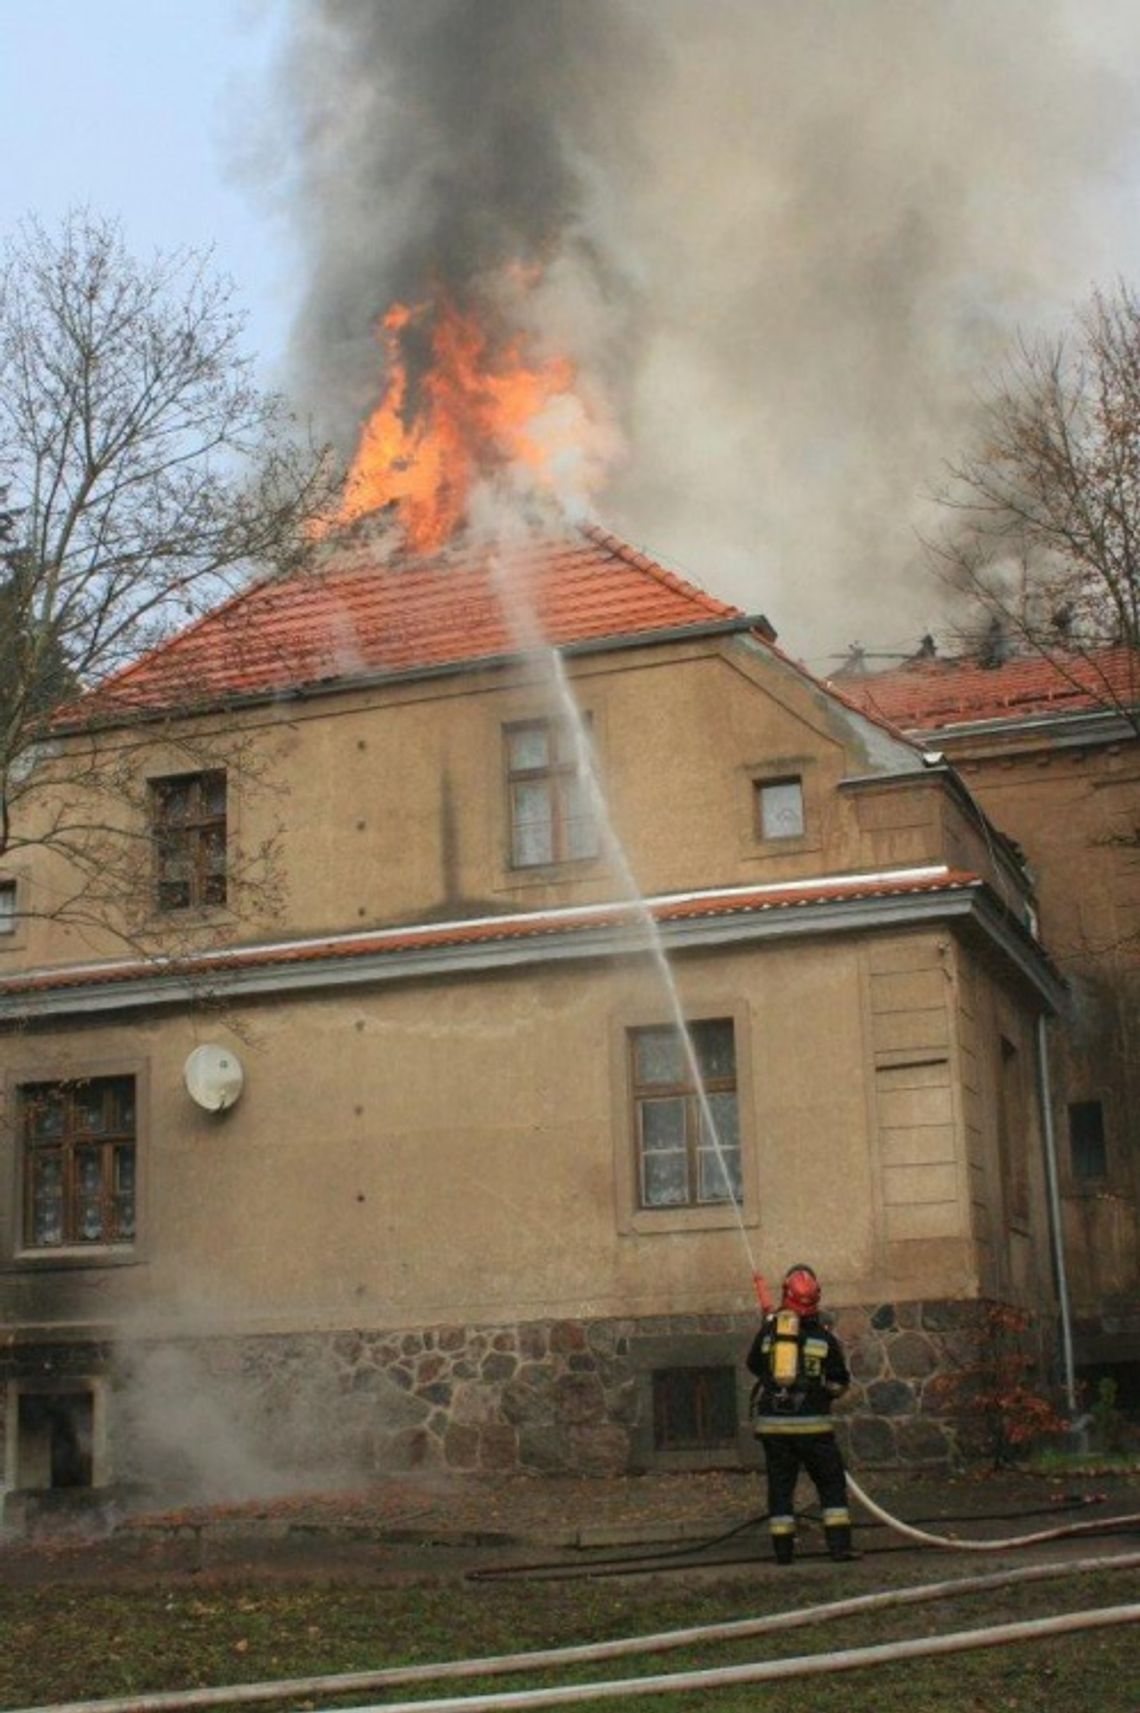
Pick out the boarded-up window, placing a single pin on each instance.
(551, 816)
(694, 1409)
(1087, 1150)
(188, 819)
(79, 1162)
(688, 1150)
(1012, 1147)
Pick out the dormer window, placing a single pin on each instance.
(188, 823)
(551, 818)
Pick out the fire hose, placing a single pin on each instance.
(955, 1544)
(348, 1683)
(950, 1543)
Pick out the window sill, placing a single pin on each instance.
(643, 1221)
(552, 873)
(767, 850)
(194, 913)
(72, 1255)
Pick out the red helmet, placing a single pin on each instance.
(801, 1290)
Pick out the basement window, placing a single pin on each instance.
(680, 1161)
(780, 808)
(551, 817)
(694, 1409)
(1087, 1151)
(188, 825)
(55, 1435)
(79, 1162)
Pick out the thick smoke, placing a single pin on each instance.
(786, 243)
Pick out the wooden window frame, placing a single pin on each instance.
(111, 1140)
(189, 841)
(558, 767)
(633, 1221)
(641, 1094)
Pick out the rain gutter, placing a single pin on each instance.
(622, 935)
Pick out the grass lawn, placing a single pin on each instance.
(88, 1640)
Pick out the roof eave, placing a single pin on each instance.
(1064, 730)
(305, 692)
(960, 902)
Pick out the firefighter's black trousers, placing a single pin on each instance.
(786, 1454)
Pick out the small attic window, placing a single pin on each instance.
(780, 808)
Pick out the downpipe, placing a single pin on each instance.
(1056, 1226)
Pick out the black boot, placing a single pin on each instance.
(784, 1548)
(838, 1538)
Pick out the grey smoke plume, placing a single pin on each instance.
(785, 242)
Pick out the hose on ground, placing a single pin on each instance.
(349, 1683)
(767, 1671)
(954, 1544)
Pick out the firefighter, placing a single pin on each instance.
(801, 1370)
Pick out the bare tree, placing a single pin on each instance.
(1044, 539)
(144, 475)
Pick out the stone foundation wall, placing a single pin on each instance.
(233, 1414)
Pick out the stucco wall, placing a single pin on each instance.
(390, 805)
(1073, 810)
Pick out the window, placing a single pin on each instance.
(680, 1161)
(55, 1434)
(1087, 1151)
(7, 907)
(1011, 1136)
(79, 1162)
(189, 824)
(694, 1409)
(550, 812)
(780, 808)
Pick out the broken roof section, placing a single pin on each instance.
(928, 694)
(367, 612)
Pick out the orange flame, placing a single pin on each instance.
(475, 411)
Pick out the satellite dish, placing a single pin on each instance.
(214, 1077)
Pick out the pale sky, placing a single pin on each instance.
(166, 115)
(148, 111)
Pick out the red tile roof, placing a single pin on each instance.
(557, 923)
(365, 609)
(929, 695)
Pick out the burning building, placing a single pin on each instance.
(519, 950)
(400, 1162)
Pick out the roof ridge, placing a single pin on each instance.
(624, 550)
